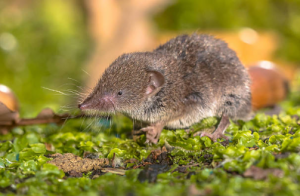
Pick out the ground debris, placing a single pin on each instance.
(260, 174)
(114, 171)
(281, 155)
(181, 169)
(74, 174)
(69, 162)
(151, 171)
(159, 156)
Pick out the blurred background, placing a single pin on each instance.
(66, 45)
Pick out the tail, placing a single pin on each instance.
(268, 87)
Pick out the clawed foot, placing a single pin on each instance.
(215, 136)
(219, 132)
(152, 134)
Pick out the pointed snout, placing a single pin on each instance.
(88, 103)
(104, 103)
(83, 106)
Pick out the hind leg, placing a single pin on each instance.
(219, 132)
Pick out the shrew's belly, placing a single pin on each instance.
(190, 118)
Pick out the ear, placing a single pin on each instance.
(155, 82)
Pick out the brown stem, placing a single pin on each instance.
(34, 121)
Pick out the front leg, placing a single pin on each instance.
(219, 132)
(153, 132)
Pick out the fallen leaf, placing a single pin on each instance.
(260, 174)
(192, 190)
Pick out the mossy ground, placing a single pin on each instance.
(184, 164)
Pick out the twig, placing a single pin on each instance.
(58, 119)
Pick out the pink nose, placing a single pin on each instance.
(83, 106)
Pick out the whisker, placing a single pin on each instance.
(86, 128)
(64, 123)
(73, 80)
(82, 122)
(57, 91)
(85, 72)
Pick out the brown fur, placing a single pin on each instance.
(202, 77)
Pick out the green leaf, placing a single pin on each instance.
(38, 148)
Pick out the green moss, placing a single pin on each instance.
(217, 168)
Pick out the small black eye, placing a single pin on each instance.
(120, 93)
